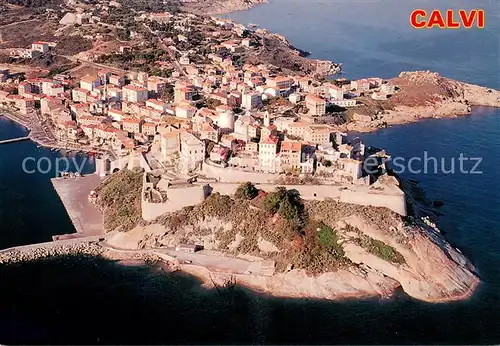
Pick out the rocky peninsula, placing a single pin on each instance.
(334, 251)
(278, 242)
(320, 249)
(421, 95)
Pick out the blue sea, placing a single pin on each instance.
(30, 209)
(371, 38)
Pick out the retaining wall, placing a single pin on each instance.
(225, 175)
(393, 199)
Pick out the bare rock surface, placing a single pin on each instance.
(383, 250)
(420, 95)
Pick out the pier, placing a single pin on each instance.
(14, 140)
(74, 194)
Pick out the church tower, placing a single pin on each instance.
(267, 121)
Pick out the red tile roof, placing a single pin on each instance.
(291, 146)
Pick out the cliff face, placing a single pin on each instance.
(433, 270)
(477, 95)
(350, 251)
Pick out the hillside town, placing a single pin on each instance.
(233, 114)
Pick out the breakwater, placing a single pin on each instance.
(14, 140)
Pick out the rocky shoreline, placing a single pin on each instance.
(422, 95)
(218, 7)
(353, 283)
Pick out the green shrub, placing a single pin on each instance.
(329, 240)
(246, 191)
(271, 202)
(287, 210)
(120, 200)
(381, 250)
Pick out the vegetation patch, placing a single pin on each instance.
(119, 198)
(246, 191)
(319, 250)
(278, 217)
(71, 45)
(330, 212)
(380, 249)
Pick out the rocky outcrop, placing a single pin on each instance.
(278, 51)
(476, 95)
(428, 88)
(212, 7)
(382, 252)
(432, 271)
(342, 284)
(421, 95)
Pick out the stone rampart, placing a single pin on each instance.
(179, 197)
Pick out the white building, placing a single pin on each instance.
(185, 111)
(90, 82)
(336, 92)
(267, 155)
(344, 103)
(192, 152)
(114, 94)
(295, 98)
(132, 93)
(316, 105)
(280, 82)
(283, 123)
(250, 101)
(226, 118)
(388, 88)
(157, 105)
(40, 46)
(361, 85)
(116, 114)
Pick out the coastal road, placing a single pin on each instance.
(214, 262)
(51, 244)
(203, 258)
(86, 62)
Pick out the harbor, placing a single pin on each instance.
(42, 135)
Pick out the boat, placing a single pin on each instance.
(252, 25)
